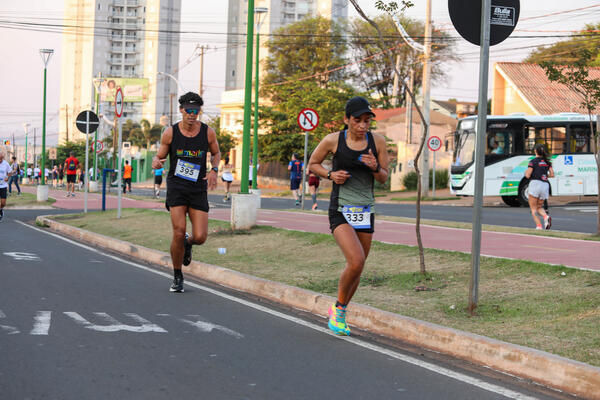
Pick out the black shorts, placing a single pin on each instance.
(295, 183)
(336, 219)
(196, 199)
(3, 193)
(158, 179)
(71, 178)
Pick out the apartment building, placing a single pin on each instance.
(130, 41)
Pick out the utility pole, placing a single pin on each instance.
(426, 99)
(67, 120)
(202, 50)
(409, 107)
(396, 82)
(34, 157)
(171, 95)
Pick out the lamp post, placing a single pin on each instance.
(171, 95)
(97, 86)
(259, 12)
(46, 54)
(26, 126)
(247, 99)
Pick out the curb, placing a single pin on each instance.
(545, 368)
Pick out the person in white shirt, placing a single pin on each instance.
(5, 173)
(36, 175)
(29, 172)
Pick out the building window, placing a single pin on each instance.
(233, 72)
(99, 6)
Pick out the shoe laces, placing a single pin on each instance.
(340, 314)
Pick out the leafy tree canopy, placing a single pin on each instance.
(567, 51)
(224, 138)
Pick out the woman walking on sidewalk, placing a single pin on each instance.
(538, 172)
(359, 157)
(227, 177)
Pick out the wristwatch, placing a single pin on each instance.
(329, 175)
(216, 169)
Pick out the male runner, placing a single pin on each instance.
(5, 172)
(186, 143)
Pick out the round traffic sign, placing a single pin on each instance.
(308, 119)
(119, 102)
(98, 146)
(466, 18)
(434, 143)
(87, 122)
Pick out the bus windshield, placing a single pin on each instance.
(465, 148)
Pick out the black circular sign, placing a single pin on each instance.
(87, 122)
(466, 18)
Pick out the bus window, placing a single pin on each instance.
(500, 142)
(579, 139)
(554, 138)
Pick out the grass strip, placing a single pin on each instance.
(551, 308)
(26, 199)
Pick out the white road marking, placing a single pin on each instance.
(41, 323)
(490, 387)
(207, 327)
(22, 256)
(114, 325)
(10, 329)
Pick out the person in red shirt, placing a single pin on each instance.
(127, 170)
(71, 165)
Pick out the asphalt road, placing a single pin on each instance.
(571, 218)
(76, 323)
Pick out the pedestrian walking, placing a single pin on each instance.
(14, 178)
(538, 171)
(127, 171)
(61, 176)
(359, 158)
(29, 175)
(55, 177)
(6, 172)
(187, 144)
(251, 173)
(295, 167)
(37, 174)
(71, 164)
(158, 177)
(227, 177)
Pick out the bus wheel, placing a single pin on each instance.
(524, 193)
(511, 201)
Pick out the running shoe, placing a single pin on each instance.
(297, 202)
(337, 320)
(314, 207)
(539, 227)
(187, 254)
(547, 222)
(177, 285)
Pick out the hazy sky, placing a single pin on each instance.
(21, 70)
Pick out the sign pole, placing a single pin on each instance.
(484, 57)
(119, 174)
(304, 169)
(433, 177)
(85, 172)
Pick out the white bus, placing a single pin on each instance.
(509, 148)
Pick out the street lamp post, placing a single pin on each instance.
(26, 126)
(171, 95)
(46, 54)
(247, 100)
(259, 12)
(97, 85)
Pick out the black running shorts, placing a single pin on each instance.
(71, 178)
(3, 193)
(336, 219)
(196, 199)
(157, 179)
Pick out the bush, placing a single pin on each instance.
(441, 180)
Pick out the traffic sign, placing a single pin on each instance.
(87, 122)
(466, 18)
(308, 119)
(434, 143)
(97, 146)
(119, 102)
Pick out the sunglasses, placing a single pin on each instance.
(193, 111)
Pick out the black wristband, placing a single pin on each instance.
(378, 169)
(329, 175)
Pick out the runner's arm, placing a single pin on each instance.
(327, 145)
(163, 150)
(381, 176)
(213, 147)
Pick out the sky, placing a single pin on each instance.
(21, 70)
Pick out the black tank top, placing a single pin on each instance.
(186, 155)
(358, 189)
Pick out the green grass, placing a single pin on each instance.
(26, 199)
(522, 302)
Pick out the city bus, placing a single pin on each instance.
(509, 145)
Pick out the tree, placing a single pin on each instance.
(375, 73)
(63, 151)
(309, 47)
(564, 52)
(224, 137)
(576, 77)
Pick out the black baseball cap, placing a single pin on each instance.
(358, 106)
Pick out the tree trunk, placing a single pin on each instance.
(596, 142)
(423, 138)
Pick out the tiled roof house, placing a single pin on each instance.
(524, 88)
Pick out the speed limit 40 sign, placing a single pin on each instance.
(434, 143)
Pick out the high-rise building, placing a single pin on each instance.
(126, 39)
(281, 13)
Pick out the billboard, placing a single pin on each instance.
(134, 89)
